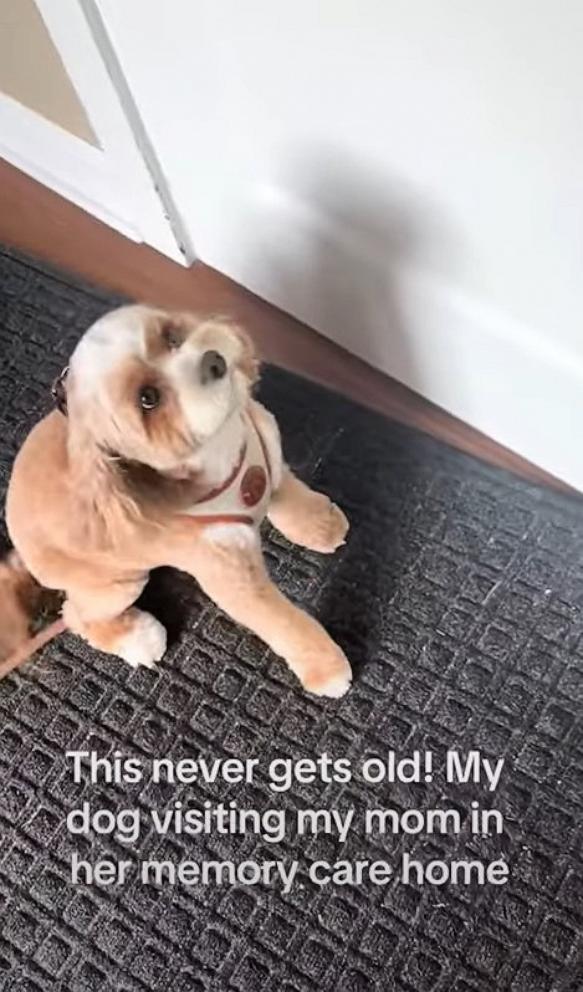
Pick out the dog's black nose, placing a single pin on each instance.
(212, 367)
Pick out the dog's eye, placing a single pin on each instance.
(149, 397)
(172, 337)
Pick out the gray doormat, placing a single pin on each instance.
(458, 599)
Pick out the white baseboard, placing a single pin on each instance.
(478, 363)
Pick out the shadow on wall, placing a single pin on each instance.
(344, 275)
(355, 238)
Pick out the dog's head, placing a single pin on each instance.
(151, 388)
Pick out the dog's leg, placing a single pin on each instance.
(104, 616)
(228, 564)
(307, 517)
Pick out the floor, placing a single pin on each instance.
(458, 599)
(41, 223)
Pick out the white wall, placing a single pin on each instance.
(407, 177)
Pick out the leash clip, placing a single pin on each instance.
(59, 391)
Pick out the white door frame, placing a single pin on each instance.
(112, 182)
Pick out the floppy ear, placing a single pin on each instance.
(249, 362)
(107, 508)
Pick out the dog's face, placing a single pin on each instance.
(154, 387)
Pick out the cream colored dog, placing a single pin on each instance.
(159, 456)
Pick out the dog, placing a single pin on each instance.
(158, 455)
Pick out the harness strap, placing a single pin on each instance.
(205, 520)
(217, 518)
(225, 485)
(261, 442)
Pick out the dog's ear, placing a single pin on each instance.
(107, 509)
(248, 362)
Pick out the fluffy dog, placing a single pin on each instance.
(158, 455)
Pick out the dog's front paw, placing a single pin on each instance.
(329, 675)
(144, 643)
(327, 526)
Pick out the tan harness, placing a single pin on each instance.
(243, 498)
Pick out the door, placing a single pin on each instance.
(63, 121)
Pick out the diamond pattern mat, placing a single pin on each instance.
(458, 599)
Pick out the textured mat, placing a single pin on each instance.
(458, 599)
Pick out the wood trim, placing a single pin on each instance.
(38, 221)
